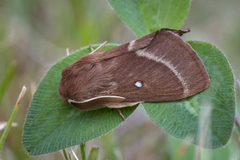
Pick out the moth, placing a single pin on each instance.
(160, 66)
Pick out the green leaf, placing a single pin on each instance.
(144, 17)
(52, 125)
(207, 116)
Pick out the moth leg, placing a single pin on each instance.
(90, 46)
(119, 111)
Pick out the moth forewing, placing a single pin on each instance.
(157, 67)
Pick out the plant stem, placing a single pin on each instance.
(5, 133)
(83, 152)
(65, 154)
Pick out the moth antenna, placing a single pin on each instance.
(99, 49)
(90, 46)
(67, 50)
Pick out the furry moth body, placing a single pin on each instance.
(157, 67)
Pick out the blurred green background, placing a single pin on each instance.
(35, 34)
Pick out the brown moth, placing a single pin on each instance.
(157, 67)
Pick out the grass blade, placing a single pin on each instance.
(7, 78)
(4, 135)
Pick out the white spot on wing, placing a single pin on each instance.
(138, 84)
(144, 53)
(131, 44)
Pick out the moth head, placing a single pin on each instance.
(74, 91)
(63, 92)
(68, 86)
(80, 80)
